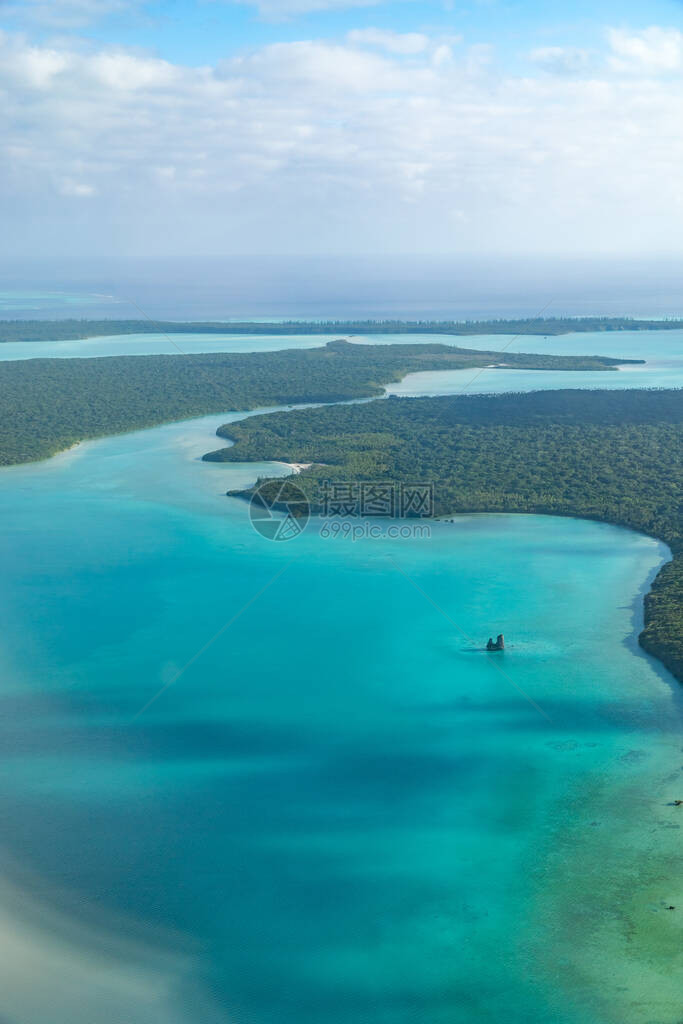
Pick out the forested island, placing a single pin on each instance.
(613, 456)
(75, 330)
(47, 405)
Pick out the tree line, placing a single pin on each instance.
(75, 330)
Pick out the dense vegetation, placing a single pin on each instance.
(615, 456)
(73, 330)
(47, 405)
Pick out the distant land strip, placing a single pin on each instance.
(79, 330)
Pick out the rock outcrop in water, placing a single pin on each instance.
(497, 645)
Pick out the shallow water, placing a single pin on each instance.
(158, 344)
(629, 344)
(661, 350)
(499, 381)
(27, 303)
(342, 810)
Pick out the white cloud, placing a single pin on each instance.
(442, 55)
(323, 67)
(325, 146)
(393, 42)
(282, 9)
(562, 60)
(35, 67)
(77, 189)
(129, 73)
(653, 51)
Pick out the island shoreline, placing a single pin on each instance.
(84, 329)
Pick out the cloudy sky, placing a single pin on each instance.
(340, 126)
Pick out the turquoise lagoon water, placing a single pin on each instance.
(158, 344)
(343, 810)
(661, 350)
(58, 303)
(499, 381)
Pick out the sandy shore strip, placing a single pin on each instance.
(296, 467)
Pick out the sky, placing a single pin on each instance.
(133, 129)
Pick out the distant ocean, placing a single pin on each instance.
(398, 287)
